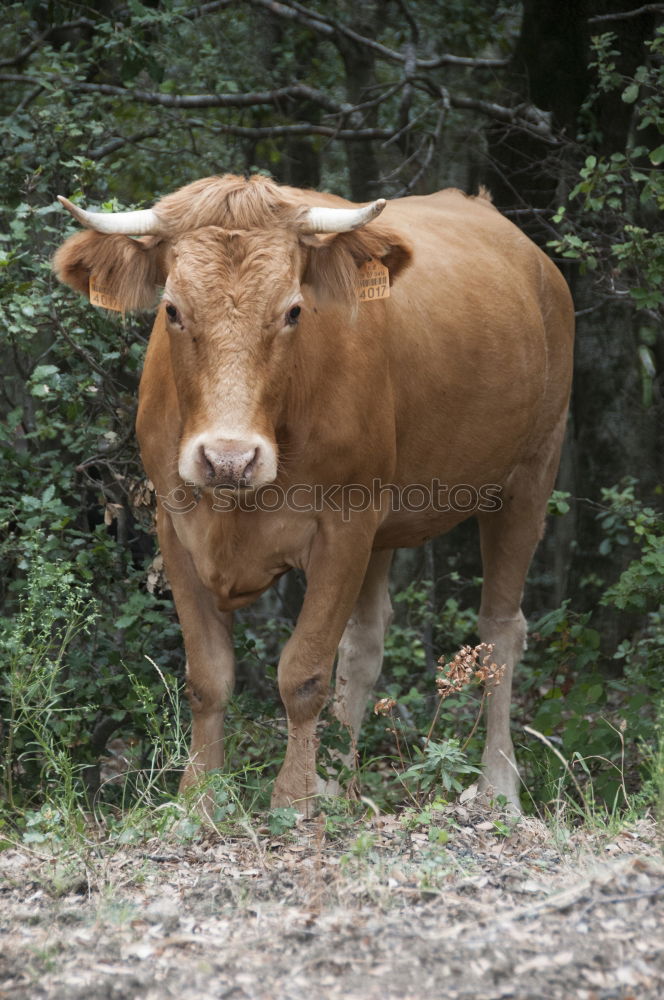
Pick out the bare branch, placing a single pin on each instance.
(205, 8)
(425, 162)
(412, 23)
(449, 60)
(526, 116)
(246, 100)
(328, 27)
(301, 128)
(374, 102)
(114, 144)
(215, 100)
(409, 125)
(399, 169)
(26, 101)
(296, 12)
(648, 8)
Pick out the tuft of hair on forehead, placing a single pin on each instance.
(240, 264)
(230, 202)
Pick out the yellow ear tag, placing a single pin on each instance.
(100, 297)
(374, 281)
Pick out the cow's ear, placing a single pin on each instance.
(332, 263)
(127, 270)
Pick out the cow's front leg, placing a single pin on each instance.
(335, 571)
(210, 662)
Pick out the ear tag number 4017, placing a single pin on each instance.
(101, 298)
(373, 281)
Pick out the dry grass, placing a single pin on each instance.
(432, 904)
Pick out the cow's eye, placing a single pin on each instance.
(293, 315)
(171, 312)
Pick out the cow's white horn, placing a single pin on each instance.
(340, 220)
(143, 223)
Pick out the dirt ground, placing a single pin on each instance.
(450, 908)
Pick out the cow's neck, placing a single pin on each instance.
(334, 406)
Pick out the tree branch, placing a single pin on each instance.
(301, 128)
(648, 8)
(27, 100)
(373, 102)
(110, 147)
(412, 23)
(205, 8)
(526, 116)
(81, 22)
(328, 27)
(246, 100)
(425, 162)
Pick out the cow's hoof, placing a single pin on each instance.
(284, 797)
(506, 798)
(329, 788)
(198, 789)
(500, 780)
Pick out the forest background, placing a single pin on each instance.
(557, 107)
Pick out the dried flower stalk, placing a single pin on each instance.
(471, 663)
(468, 665)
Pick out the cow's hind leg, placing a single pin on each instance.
(509, 538)
(360, 654)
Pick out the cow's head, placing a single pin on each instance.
(233, 257)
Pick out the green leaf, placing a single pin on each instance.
(125, 621)
(630, 93)
(43, 371)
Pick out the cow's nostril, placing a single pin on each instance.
(207, 462)
(250, 466)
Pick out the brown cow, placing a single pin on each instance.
(286, 423)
